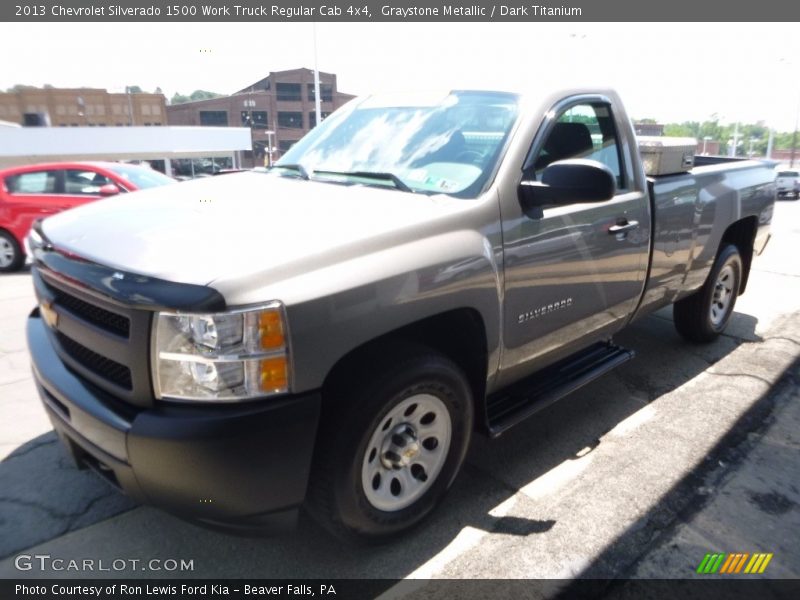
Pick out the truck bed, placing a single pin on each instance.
(689, 212)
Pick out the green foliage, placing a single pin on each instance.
(752, 137)
(20, 87)
(179, 98)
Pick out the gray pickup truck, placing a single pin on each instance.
(331, 332)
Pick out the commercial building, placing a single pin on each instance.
(280, 107)
(80, 107)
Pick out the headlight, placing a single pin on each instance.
(221, 357)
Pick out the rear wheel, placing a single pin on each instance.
(702, 316)
(391, 444)
(11, 255)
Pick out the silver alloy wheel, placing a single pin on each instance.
(406, 452)
(7, 253)
(723, 295)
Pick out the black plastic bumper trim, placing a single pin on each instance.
(236, 467)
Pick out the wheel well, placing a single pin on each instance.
(742, 234)
(20, 243)
(458, 334)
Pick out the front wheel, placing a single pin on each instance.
(391, 444)
(702, 316)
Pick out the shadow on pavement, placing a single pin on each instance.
(43, 495)
(755, 521)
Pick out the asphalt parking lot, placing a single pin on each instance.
(684, 450)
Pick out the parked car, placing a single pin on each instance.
(36, 191)
(788, 183)
(333, 333)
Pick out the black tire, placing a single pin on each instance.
(356, 411)
(702, 316)
(11, 255)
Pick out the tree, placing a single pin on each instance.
(134, 89)
(203, 95)
(18, 87)
(686, 129)
(178, 98)
(196, 95)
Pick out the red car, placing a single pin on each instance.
(35, 191)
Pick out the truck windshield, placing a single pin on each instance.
(445, 144)
(141, 177)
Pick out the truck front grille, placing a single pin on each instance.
(100, 365)
(102, 340)
(101, 317)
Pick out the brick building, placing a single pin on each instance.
(78, 107)
(282, 102)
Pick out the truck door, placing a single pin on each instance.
(574, 273)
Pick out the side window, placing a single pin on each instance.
(582, 131)
(80, 182)
(35, 182)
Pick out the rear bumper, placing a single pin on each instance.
(239, 467)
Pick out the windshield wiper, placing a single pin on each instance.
(398, 183)
(298, 168)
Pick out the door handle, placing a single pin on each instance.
(623, 227)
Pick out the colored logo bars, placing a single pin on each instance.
(729, 564)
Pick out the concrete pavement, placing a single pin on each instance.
(684, 450)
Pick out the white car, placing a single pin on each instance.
(788, 183)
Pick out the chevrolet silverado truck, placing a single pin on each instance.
(328, 334)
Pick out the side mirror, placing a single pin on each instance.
(108, 189)
(571, 181)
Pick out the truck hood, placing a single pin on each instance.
(230, 226)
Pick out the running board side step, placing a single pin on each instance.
(527, 397)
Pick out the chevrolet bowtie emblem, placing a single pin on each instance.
(49, 314)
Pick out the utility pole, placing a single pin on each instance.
(735, 140)
(270, 149)
(794, 135)
(130, 105)
(770, 142)
(317, 106)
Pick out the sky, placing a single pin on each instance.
(671, 72)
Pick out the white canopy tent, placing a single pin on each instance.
(27, 145)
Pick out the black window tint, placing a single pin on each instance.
(80, 182)
(288, 92)
(312, 118)
(254, 118)
(35, 182)
(259, 118)
(583, 131)
(325, 92)
(214, 118)
(292, 120)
